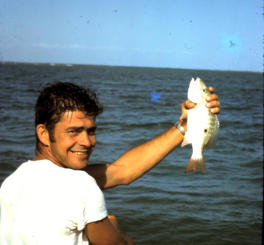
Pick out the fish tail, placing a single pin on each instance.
(195, 164)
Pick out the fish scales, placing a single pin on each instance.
(202, 126)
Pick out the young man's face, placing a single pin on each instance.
(74, 140)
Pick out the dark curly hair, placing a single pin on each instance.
(57, 98)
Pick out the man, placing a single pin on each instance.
(52, 200)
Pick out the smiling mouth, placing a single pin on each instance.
(80, 152)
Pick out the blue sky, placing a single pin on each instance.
(200, 34)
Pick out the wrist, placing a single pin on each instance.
(180, 128)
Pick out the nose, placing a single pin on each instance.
(87, 140)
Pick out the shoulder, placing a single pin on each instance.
(15, 174)
(88, 185)
(79, 176)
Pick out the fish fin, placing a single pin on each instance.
(185, 142)
(195, 164)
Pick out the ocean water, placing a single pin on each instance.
(165, 206)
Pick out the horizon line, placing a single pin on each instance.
(132, 66)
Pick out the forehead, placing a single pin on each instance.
(77, 117)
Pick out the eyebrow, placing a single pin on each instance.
(81, 128)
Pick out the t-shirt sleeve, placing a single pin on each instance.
(94, 208)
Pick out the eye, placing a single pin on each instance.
(74, 131)
(91, 131)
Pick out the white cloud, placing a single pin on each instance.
(118, 49)
(60, 46)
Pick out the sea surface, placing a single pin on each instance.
(165, 206)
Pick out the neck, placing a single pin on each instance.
(43, 154)
(39, 155)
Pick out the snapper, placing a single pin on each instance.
(202, 126)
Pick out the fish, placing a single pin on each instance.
(202, 126)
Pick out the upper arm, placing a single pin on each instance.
(106, 175)
(103, 232)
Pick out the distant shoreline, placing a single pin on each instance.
(117, 66)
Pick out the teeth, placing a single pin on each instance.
(79, 152)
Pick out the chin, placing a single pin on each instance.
(80, 165)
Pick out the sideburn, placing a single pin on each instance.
(51, 134)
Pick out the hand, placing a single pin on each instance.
(213, 104)
(113, 220)
(213, 101)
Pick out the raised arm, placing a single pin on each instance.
(139, 160)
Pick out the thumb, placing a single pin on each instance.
(184, 112)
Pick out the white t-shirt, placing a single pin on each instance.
(44, 204)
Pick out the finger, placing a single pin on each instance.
(189, 105)
(183, 112)
(212, 97)
(211, 89)
(215, 110)
(183, 117)
(183, 107)
(214, 103)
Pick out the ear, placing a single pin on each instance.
(43, 134)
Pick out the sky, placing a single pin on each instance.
(191, 34)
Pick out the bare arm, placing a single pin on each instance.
(106, 232)
(139, 160)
